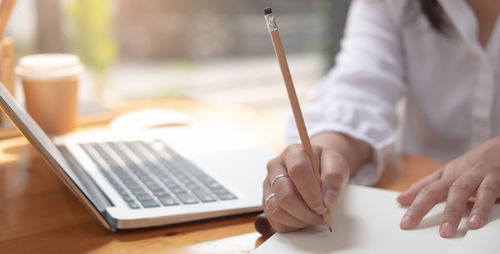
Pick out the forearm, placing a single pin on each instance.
(355, 152)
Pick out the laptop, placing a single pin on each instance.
(152, 178)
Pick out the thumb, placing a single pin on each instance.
(334, 176)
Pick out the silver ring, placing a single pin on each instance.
(276, 179)
(268, 198)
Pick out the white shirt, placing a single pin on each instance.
(390, 51)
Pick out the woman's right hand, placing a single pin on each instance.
(298, 199)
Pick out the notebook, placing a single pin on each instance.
(366, 220)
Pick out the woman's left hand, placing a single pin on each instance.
(476, 173)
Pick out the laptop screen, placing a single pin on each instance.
(48, 151)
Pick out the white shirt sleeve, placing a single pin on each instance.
(358, 96)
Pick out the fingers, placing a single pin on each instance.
(486, 195)
(425, 200)
(298, 198)
(407, 197)
(287, 198)
(458, 195)
(301, 173)
(279, 219)
(334, 174)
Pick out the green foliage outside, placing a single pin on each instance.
(93, 39)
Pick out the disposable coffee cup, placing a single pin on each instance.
(50, 84)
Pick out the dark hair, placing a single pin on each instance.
(435, 14)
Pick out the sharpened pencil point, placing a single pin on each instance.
(330, 229)
(268, 11)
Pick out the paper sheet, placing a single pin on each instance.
(366, 220)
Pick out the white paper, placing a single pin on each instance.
(366, 220)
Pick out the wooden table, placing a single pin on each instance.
(39, 215)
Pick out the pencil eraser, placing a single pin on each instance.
(268, 11)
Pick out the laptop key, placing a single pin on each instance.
(136, 189)
(160, 193)
(140, 194)
(144, 197)
(151, 184)
(128, 198)
(149, 203)
(178, 190)
(192, 186)
(186, 181)
(156, 189)
(223, 194)
(203, 195)
(220, 190)
(226, 196)
(187, 198)
(122, 191)
(133, 205)
(168, 201)
(106, 174)
(210, 183)
(172, 185)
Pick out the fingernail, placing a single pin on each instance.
(446, 230)
(406, 222)
(399, 197)
(330, 198)
(320, 209)
(475, 220)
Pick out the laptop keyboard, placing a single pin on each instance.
(151, 174)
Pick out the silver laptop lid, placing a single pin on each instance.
(35, 135)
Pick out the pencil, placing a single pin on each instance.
(6, 8)
(294, 102)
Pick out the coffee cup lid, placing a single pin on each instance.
(49, 66)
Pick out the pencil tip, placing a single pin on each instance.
(330, 229)
(268, 11)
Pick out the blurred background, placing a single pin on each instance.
(217, 50)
